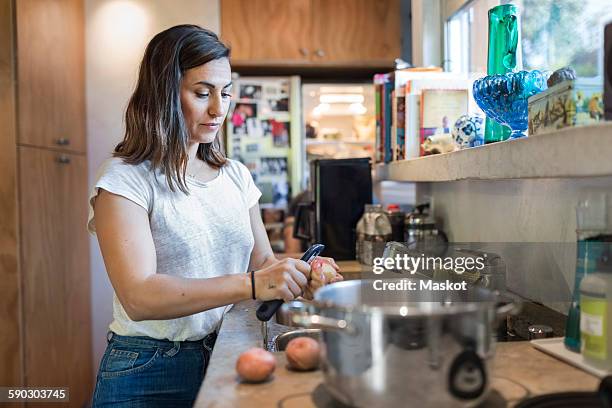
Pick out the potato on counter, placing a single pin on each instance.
(255, 365)
(303, 353)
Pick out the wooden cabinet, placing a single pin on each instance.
(44, 250)
(343, 33)
(50, 73)
(267, 31)
(55, 271)
(357, 30)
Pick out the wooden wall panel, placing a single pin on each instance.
(10, 330)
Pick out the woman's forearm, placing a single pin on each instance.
(162, 297)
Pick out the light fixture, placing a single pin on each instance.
(357, 108)
(321, 109)
(328, 89)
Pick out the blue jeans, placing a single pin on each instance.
(145, 372)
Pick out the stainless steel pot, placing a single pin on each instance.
(405, 347)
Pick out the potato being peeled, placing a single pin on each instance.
(322, 272)
(255, 365)
(319, 266)
(303, 353)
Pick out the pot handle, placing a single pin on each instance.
(301, 315)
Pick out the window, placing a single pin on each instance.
(466, 34)
(558, 33)
(457, 36)
(554, 34)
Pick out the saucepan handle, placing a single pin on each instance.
(302, 315)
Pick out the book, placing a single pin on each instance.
(393, 126)
(400, 124)
(438, 108)
(381, 142)
(386, 108)
(398, 117)
(378, 142)
(413, 90)
(412, 126)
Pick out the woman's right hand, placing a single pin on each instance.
(285, 279)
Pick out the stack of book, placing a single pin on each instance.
(413, 104)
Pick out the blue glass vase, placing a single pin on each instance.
(504, 97)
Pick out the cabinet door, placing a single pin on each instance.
(55, 271)
(266, 32)
(50, 73)
(359, 32)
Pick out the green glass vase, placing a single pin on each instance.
(503, 57)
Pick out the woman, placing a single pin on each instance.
(178, 225)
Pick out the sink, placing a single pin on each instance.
(281, 341)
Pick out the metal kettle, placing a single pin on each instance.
(421, 232)
(373, 231)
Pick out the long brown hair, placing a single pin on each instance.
(155, 128)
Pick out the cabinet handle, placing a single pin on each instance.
(320, 53)
(62, 141)
(304, 51)
(63, 159)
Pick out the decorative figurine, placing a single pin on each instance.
(439, 143)
(468, 131)
(504, 97)
(503, 56)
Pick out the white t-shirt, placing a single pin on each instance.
(201, 235)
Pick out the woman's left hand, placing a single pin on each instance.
(317, 278)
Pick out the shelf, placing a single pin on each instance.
(572, 152)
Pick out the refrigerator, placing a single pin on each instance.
(329, 217)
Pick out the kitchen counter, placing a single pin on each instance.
(519, 371)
